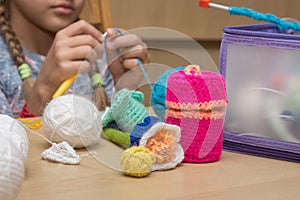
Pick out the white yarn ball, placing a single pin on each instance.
(73, 119)
(11, 128)
(11, 169)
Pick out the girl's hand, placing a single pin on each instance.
(124, 67)
(67, 56)
(69, 52)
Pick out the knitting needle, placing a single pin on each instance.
(281, 24)
(208, 4)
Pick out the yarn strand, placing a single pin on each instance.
(282, 24)
(91, 154)
(35, 133)
(138, 61)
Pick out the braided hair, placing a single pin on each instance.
(18, 56)
(15, 48)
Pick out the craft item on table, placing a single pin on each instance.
(137, 161)
(12, 169)
(162, 139)
(126, 140)
(141, 128)
(158, 95)
(11, 128)
(117, 136)
(196, 102)
(281, 24)
(62, 153)
(72, 119)
(126, 110)
(113, 125)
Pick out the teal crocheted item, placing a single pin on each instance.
(126, 110)
(158, 95)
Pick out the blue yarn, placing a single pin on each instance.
(158, 95)
(139, 130)
(145, 73)
(121, 33)
(282, 24)
(138, 60)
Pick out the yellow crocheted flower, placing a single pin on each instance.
(137, 161)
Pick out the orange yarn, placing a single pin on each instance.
(163, 145)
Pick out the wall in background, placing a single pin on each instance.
(185, 15)
(204, 25)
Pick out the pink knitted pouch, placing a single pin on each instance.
(196, 102)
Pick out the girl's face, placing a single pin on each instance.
(49, 15)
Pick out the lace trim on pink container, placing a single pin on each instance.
(195, 114)
(205, 106)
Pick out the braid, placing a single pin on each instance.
(15, 47)
(12, 41)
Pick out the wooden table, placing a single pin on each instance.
(235, 176)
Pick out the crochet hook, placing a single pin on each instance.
(64, 86)
(281, 24)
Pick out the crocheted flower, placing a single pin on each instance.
(163, 140)
(160, 138)
(137, 161)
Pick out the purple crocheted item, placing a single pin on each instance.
(196, 102)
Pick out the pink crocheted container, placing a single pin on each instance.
(196, 102)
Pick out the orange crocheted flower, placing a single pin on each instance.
(163, 145)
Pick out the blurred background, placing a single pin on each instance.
(205, 26)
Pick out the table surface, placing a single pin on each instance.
(235, 176)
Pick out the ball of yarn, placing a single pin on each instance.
(72, 119)
(11, 128)
(158, 96)
(137, 161)
(11, 169)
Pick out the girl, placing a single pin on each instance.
(42, 43)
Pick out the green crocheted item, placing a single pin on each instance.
(117, 136)
(126, 110)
